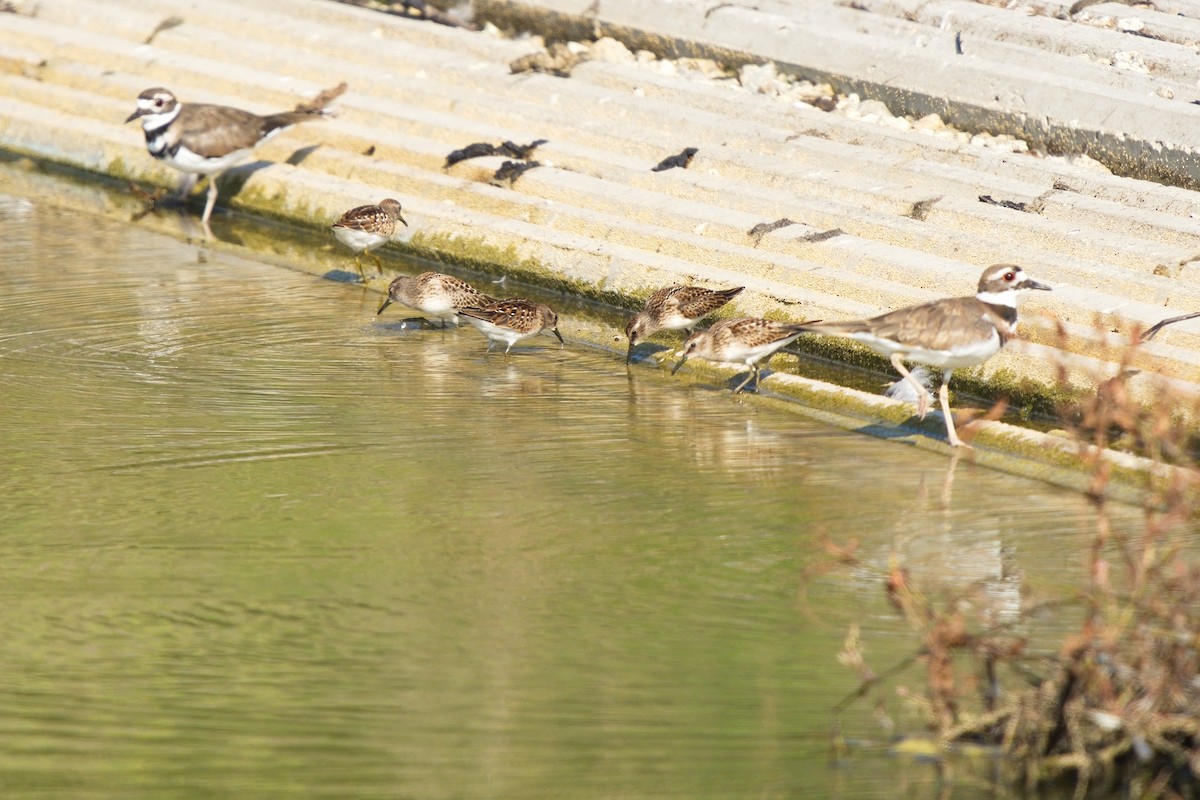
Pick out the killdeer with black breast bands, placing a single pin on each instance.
(363, 228)
(511, 320)
(950, 333)
(201, 139)
(435, 294)
(675, 308)
(742, 341)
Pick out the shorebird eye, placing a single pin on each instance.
(1009, 277)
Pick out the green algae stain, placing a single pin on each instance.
(117, 168)
(475, 252)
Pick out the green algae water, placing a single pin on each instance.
(258, 542)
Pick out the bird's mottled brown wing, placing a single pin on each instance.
(364, 218)
(502, 312)
(662, 297)
(463, 293)
(695, 301)
(755, 331)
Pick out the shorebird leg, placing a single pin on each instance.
(363, 276)
(378, 263)
(922, 392)
(753, 375)
(944, 399)
(212, 200)
(186, 184)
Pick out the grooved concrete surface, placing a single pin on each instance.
(599, 218)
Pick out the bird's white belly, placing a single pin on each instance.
(676, 322)
(185, 160)
(752, 355)
(438, 307)
(965, 355)
(737, 353)
(496, 333)
(357, 240)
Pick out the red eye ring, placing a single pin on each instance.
(1009, 277)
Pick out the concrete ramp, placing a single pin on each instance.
(1047, 126)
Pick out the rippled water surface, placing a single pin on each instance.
(258, 542)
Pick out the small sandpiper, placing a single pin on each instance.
(202, 139)
(436, 294)
(511, 320)
(950, 333)
(675, 308)
(741, 341)
(363, 228)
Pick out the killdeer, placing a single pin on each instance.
(200, 139)
(435, 294)
(511, 320)
(950, 333)
(675, 308)
(363, 228)
(741, 341)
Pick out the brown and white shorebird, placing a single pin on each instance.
(511, 321)
(675, 308)
(950, 333)
(363, 228)
(201, 139)
(741, 341)
(436, 294)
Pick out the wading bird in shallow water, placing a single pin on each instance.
(511, 320)
(675, 308)
(741, 341)
(950, 333)
(363, 228)
(436, 294)
(201, 139)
